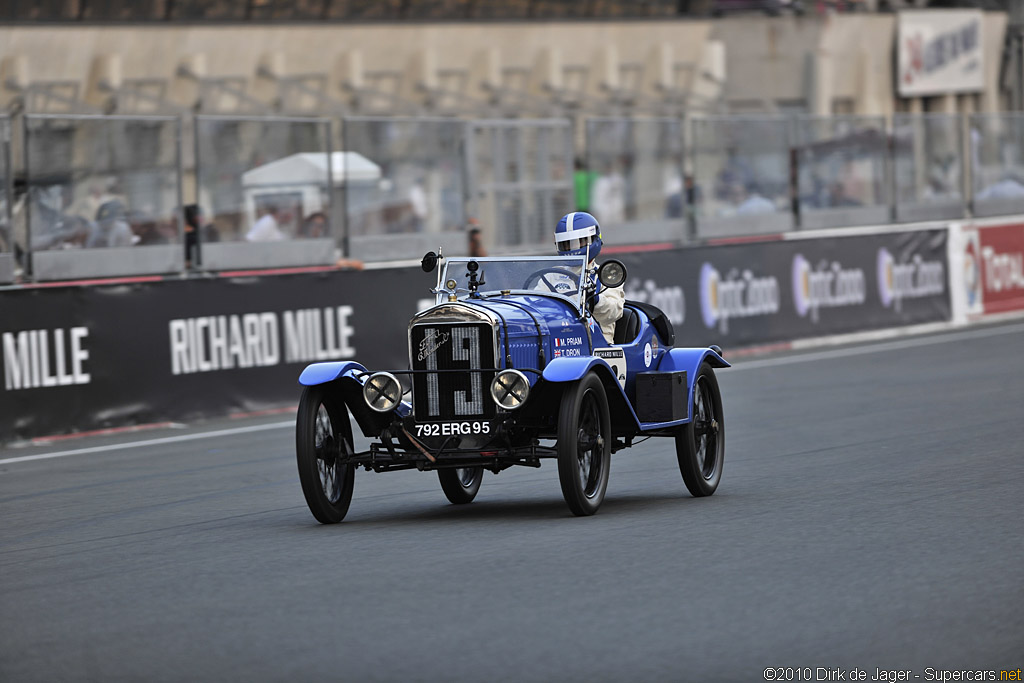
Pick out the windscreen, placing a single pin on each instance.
(554, 274)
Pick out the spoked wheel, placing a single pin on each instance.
(584, 445)
(323, 437)
(461, 484)
(700, 445)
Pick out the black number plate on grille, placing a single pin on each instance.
(444, 396)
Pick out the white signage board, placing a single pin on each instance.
(940, 51)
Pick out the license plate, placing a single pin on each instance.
(466, 428)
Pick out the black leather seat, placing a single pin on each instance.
(627, 328)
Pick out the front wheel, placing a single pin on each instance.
(323, 439)
(461, 484)
(700, 445)
(584, 445)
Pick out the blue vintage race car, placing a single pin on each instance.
(507, 360)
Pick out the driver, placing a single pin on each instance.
(573, 234)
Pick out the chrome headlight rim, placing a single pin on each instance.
(502, 391)
(394, 398)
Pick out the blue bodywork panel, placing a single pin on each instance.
(322, 373)
(545, 334)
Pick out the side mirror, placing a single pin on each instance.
(429, 262)
(612, 273)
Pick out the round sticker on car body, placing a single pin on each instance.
(647, 354)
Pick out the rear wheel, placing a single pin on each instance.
(461, 484)
(700, 445)
(584, 445)
(323, 438)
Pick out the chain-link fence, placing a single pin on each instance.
(520, 180)
(843, 174)
(741, 170)
(997, 163)
(405, 189)
(928, 164)
(264, 193)
(6, 204)
(633, 179)
(102, 195)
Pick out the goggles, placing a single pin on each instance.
(574, 244)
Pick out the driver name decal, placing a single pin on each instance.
(431, 343)
(568, 346)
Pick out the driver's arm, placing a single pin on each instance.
(608, 309)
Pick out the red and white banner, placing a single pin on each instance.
(992, 268)
(940, 51)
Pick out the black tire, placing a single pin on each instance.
(700, 445)
(461, 484)
(584, 445)
(323, 434)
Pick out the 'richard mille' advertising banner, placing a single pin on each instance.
(80, 358)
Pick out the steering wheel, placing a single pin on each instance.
(538, 276)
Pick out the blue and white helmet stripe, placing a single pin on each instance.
(572, 231)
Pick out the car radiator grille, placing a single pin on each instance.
(452, 395)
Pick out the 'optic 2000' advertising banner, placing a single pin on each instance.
(80, 358)
(779, 291)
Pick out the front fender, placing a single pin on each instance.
(571, 369)
(322, 373)
(624, 420)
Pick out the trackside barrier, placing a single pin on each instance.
(265, 187)
(279, 192)
(410, 198)
(986, 260)
(103, 195)
(211, 346)
(6, 227)
(633, 179)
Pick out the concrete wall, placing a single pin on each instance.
(413, 50)
(766, 57)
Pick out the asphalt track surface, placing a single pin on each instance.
(870, 515)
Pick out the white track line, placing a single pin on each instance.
(976, 333)
(879, 348)
(152, 442)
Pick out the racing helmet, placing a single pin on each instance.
(575, 232)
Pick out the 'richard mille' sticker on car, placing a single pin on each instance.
(616, 358)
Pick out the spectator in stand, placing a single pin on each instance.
(419, 205)
(747, 200)
(193, 217)
(111, 229)
(583, 183)
(314, 226)
(608, 198)
(475, 237)
(266, 229)
(100, 192)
